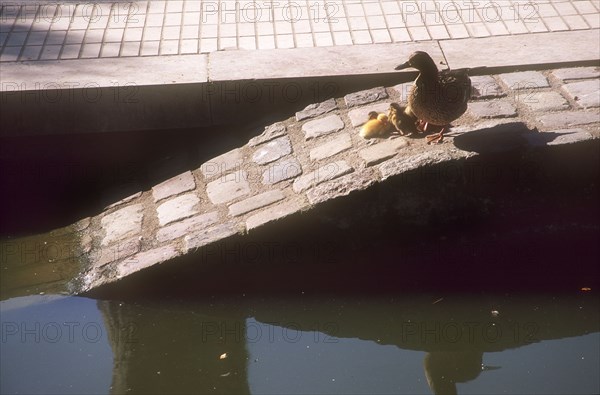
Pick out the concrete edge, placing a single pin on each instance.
(190, 91)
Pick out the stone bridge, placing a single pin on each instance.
(317, 156)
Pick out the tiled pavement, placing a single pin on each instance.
(43, 30)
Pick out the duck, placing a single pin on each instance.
(437, 97)
(376, 126)
(402, 119)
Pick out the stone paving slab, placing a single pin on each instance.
(585, 93)
(530, 49)
(122, 223)
(181, 183)
(46, 31)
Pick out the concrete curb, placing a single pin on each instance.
(191, 91)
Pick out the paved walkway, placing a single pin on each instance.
(82, 30)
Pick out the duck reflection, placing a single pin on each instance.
(201, 347)
(444, 369)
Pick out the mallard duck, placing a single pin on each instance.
(376, 126)
(402, 119)
(437, 97)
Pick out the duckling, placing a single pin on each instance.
(377, 125)
(436, 98)
(402, 119)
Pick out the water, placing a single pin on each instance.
(488, 344)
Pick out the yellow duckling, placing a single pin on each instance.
(377, 125)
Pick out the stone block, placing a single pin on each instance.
(558, 137)
(124, 200)
(485, 87)
(228, 188)
(585, 93)
(525, 80)
(317, 109)
(114, 252)
(365, 97)
(398, 166)
(544, 101)
(379, 152)
(222, 164)
(324, 173)
(281, 171)
(123, 223)
(145, 259)
(271, 132)
(256, 202)
(577, 73)
(273, 150)
(341, 186)
(187, 226)
(274, 213)
(177, 208)
(210, 235)
(566, 119)
(182, 183)
(322, 126)
(493, 109)
(330, 148)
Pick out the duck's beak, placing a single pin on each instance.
(403, 66)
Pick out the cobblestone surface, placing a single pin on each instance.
(544, 101)
(274, 213)
(270, 133)
(324, 173)
(493, 109)
(382, 151)
(365, 97)
(323, 126)
(315, 110)
(561, 120)
(178, 184)
(524, 80)
(255, 202)
(272, 150)
(585, 93)
(222, 164)
(177, 208)
(577, 73)
(122, 223)
(189, 225)
(228, 188)
(331, 148)
(281, 171)
(485, 86)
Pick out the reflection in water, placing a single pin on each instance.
(410, 344)
(203, 347)
(444, 369)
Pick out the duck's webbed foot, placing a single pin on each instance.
(437, 138)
